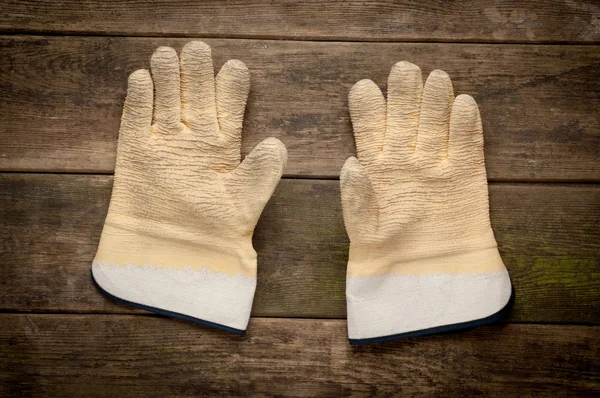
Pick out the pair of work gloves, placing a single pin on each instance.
(178, 235)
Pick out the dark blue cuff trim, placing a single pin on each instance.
(168, 313)
(442, 329)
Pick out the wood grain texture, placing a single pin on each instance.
(50, 226)
(540, 104)
(123, 355)
(456, 21)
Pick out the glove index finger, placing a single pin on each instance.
(232, 89)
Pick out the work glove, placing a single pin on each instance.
(423, 258)
(177, 239)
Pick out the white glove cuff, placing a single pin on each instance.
(210, 285)
(392, 306)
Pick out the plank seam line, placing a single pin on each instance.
(311, 178)
(299, 318)
(42, 33)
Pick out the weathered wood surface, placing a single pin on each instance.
(124, 355)
(62, 99)
(455, 21)
(50, 226)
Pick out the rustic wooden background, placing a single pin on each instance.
(533, 67)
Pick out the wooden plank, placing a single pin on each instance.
(50, 226)
(540, 104)
(121, 355)
(477, 21)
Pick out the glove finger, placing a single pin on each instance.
(405, 88)
(359, 203)
(367, 111)
(255, 179)
(165, 72)
(198, 106)
(432, 137)
(137, 110)
(232, 88)
(465, 146)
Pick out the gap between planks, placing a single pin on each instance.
(316, 39)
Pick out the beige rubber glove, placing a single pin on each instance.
(423, 257)
(178, 235)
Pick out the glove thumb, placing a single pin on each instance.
(252, 183)
(359, 203)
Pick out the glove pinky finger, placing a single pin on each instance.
(137, 110)
(465, 147)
